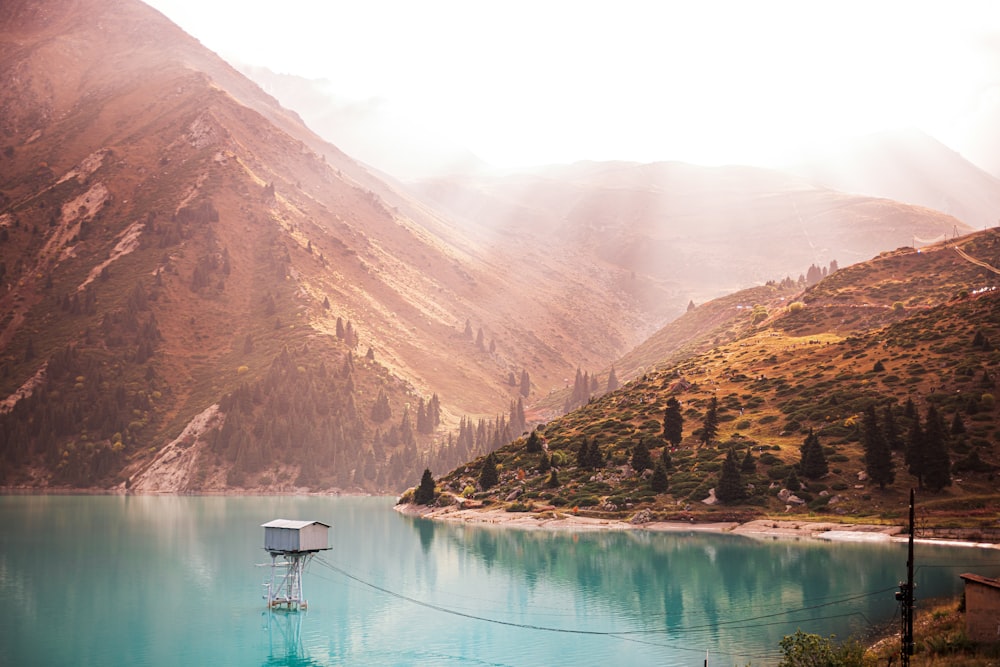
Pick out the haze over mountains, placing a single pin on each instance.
(181, 255)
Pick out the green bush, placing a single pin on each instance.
(778, 472)
(819, 504)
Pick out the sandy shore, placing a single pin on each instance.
(759, 528)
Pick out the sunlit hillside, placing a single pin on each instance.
(909, 334)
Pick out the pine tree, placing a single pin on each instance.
(641, 459)
(434, 410)
(890, 430)
(659, 481)
(938, 469)
(589, 455)
(749, 464)
(730, 486)
(813, 463)
(518, 422)
(583, 454)
(878, 457)
(612, 380)
(425, 492)
(710, 424)
(957, 425)
(525, 384)
(381, 410)
(488, 474)
(544, 463)
(534, 443)
(673, 422)
(792, 482)
(553, 480)
(665, 459)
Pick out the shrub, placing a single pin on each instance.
(778, 472)
(819, 504)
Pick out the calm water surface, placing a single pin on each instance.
(109, 580)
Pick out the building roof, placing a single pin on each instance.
(979, 579)
(291, 523)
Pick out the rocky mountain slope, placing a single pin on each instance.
(199, 293)
(877, 361)
(170, 235)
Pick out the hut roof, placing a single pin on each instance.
(979, 579)
(290, 523)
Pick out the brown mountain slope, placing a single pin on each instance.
(908, 333)
(152, 198)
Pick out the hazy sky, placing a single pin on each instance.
(528, 82)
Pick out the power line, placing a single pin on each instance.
(632, 635)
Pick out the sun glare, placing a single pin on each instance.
(523, 83)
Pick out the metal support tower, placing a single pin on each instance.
(285, 585)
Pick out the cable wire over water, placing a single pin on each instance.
(634, 635)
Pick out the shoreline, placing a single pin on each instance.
(757, 528)
(552, 519)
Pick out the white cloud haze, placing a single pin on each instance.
(521, 82)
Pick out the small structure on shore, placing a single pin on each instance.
(982, 608)
(292, 544)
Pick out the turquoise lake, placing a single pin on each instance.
(174, 580)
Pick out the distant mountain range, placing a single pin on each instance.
(910, 167)
(199, 292)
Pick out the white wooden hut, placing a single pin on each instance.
(289, 536)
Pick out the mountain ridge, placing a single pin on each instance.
(173, 240)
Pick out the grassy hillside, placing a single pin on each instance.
(907, 326)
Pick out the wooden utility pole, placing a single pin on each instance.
(905, 597)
